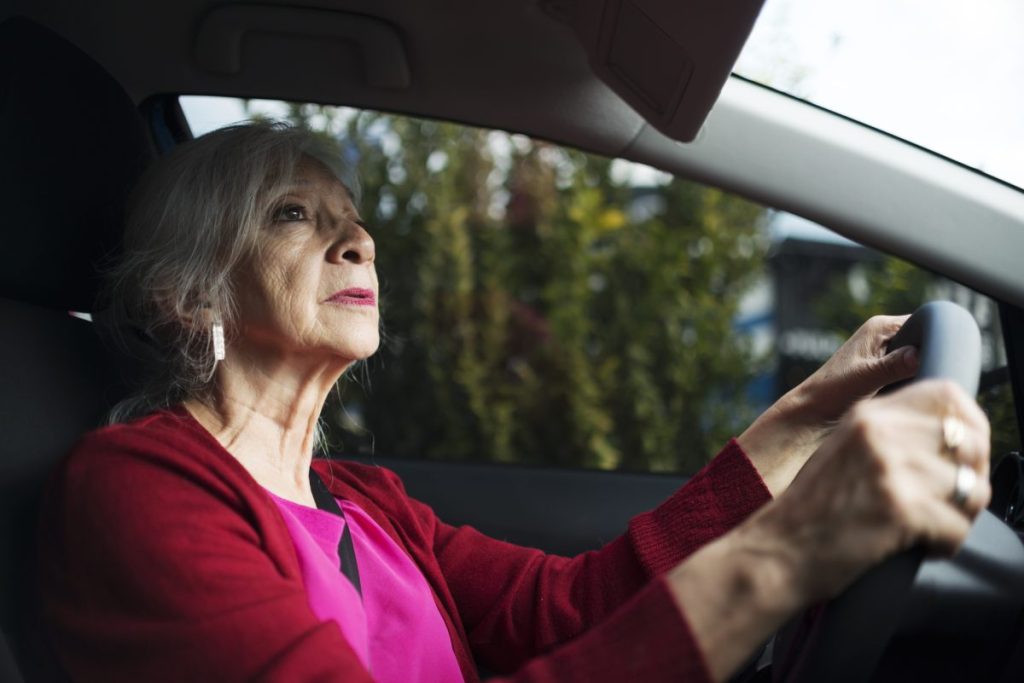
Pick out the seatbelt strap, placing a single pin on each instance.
(346, 552)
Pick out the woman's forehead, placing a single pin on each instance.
(312, 174)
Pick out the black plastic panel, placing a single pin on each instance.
(559, 511)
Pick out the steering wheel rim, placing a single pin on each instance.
(843, 640)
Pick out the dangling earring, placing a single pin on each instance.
(217, 332)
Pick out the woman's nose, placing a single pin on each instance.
(355, 247)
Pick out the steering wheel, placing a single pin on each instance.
(844, 640)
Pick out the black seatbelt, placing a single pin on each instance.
(346, 553)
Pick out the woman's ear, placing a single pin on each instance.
(191, 313)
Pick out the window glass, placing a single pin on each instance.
(944, 74)
(545, 306)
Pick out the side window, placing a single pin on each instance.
(826, 286)
(541, 305)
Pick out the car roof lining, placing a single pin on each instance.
(547, 90)
(867, 186)
(667, 60)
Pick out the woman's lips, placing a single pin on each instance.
(354, 296)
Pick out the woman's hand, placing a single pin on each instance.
(781, 440)
(882, 482)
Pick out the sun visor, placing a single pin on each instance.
(668, 59)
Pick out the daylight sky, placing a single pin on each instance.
(945, 74)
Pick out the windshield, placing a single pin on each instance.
(943, 74)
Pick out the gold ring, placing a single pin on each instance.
(966, 478)
(953, 432)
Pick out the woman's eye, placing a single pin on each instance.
(290, 212)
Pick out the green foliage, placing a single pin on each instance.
(528, 318)
(890, 287)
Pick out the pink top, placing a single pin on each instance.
(396, 628)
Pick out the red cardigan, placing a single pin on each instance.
(163, 560)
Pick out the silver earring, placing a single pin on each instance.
(217, 331)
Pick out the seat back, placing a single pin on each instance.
(56, 386)
(72, 145)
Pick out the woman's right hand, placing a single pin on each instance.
(882, 482)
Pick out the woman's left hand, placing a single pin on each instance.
(781, 440)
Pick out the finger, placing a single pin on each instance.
(920, 439)
(897, 365)
(882, 367)
(942, 397)
(949, 401)
(875, 372)
(938, 478)
(979, 498)
(885, 325)
(973, 416)
(940, 526)
(882, 328)
(975, 450)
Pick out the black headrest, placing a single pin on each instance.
(73, 144)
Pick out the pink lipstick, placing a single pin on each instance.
(354, 296)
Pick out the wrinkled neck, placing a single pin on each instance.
(265, 413)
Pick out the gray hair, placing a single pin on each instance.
(192, 219)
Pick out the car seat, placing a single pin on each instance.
(72, 144)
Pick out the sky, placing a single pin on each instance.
(945, 74)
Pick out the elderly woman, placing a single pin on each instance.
(196, 538)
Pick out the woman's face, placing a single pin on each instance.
(310, 288)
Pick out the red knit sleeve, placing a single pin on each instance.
(647, 640)
(601, 610)
(155, 566)
(715, 500)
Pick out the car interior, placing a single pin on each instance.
(89, 96)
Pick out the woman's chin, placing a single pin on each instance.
(360, 348)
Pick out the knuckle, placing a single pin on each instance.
(860, 413)
(861, 423)
(888, 324)
(874, 325)
(893, 504)
(948, 391)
